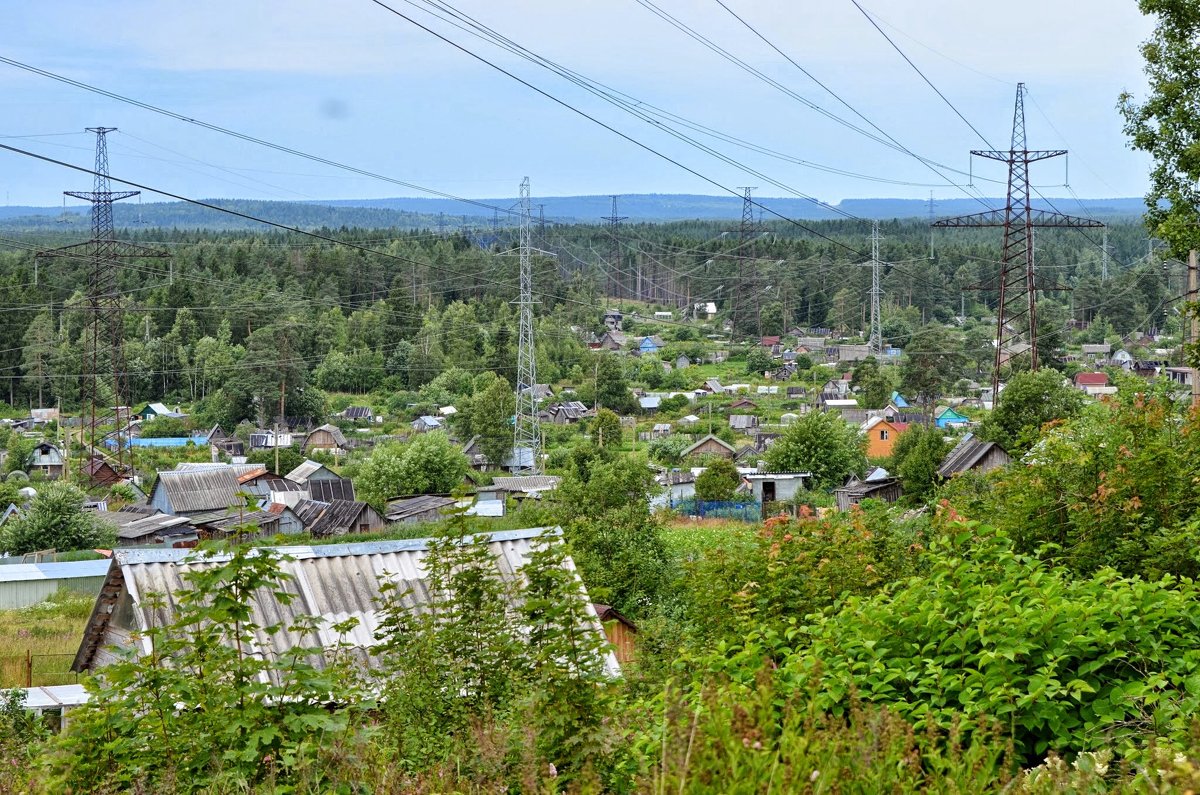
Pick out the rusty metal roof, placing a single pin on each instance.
(330, 583)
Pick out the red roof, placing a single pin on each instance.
(252, 474)
(1091, 379)
(899, 426)
(275, 507)
(769, 341)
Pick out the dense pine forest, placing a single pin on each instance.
(224, 314)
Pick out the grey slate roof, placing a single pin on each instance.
(336, 517)
(966, 454)
(329, 583)
(526, 483)
(399, 510)
(193, 490)
(304, 471)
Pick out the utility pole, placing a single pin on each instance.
(105, 381)
(614, 259)
(526, 431)
(1016, 282)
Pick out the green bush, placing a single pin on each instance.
(1064, 664)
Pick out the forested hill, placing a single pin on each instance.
(421, 213)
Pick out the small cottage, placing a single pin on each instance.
(973, 455)
(710, 446)
(45, 459)
(328, 438)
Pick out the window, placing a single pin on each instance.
(883, 435)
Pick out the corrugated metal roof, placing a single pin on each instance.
(398, 510)
(199, 489)
(304, 471)
(526, 483)
(26, 572)
(206, 466)
(966, 454)
(330, 583)
(152, 524)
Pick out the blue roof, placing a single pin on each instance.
(898, 401)
(164, 441)
(23, 572)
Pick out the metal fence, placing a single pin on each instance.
(36, 670)
(747, 511)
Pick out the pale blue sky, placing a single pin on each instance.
(349, 81)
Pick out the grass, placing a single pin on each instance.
(687, 538)
(53, 627)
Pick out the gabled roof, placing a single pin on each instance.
(336, 517)
(399, 510)
(1091, 379)
(965, 455)
(526, 483)
(338, 437)
(328, 583)
(305, 471)
(194, 490)
(708, 438)
(358, 413)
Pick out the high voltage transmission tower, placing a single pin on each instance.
(527, 435)
(105, 383)
(1016, 283)
(746, 301)
(876, 346)
(614, 263)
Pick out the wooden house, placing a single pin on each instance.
(326, 437)
(337, 518)
(195, 491)
(97, 470)
(877, 486)
(613, 340)
(710, 446)
(620, 631)
(46, 459)
(415, 510)
(744, 403)
(881, 434)
(973, 455)
(743, 423)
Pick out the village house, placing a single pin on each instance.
(776, 486)
(358, 414)
(1096, 352)
(308, 471)
(337, 517)
(612, 320)
(427, 423)
(152, 410)
(710, 446)
(743, 423)
(877, 485)
(1093, 384)
(190, 492)
(682, 362)
(567, 413)
(651, 344)
(881, 435)
(45, 459)
(327, 438)
(947, 417)
(972, 455)
(704, 310)
(613, 340)
(329, 583)
(417, 510)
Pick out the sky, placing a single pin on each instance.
(352, 82)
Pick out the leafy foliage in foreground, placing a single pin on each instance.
(1065, 663)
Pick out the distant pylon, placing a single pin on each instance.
(614, 260)
(527, 436)
(1104, 257)
(1016, 306)
(931, 219)
(746, 304)
(876, 346)
(105, 383)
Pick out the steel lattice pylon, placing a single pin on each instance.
(1016, 284)
(746, 292)
(105, 385)
(527, 434)
(876, 346)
